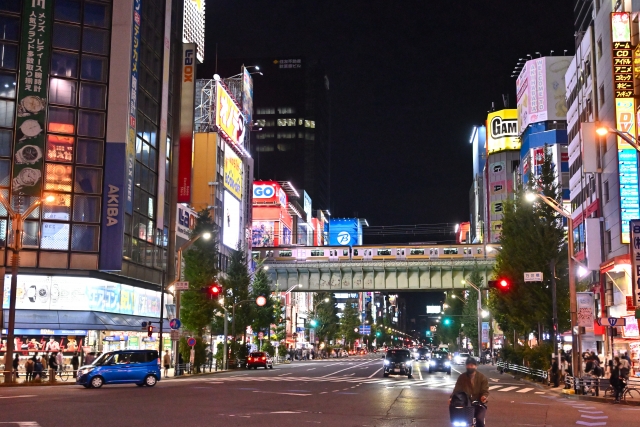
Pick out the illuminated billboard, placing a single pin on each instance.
(267, 192)
(502, 131)
(229, 119)
(540, 90)
(193, 25)
(344, 232)
(187, 105)
(231, 221)
(263, 234)
(232, 172)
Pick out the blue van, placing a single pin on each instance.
(139, 367)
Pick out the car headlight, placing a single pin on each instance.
(459, 423)
(85, 371)
(386, 362)
(447, 364)
(432, 362)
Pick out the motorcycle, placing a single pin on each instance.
(464, 415)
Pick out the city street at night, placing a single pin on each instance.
(339, 392)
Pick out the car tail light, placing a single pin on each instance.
(264, 358)
(249, 359)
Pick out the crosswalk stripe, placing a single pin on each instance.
(493, 387)
(524, 390)
(508, 388)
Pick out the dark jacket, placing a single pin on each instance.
(475, 390)
(52, 362)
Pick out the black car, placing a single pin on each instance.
(440, 362)
(422, 354)
(398, 362)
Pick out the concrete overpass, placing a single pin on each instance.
(381, 276)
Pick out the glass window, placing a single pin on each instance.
(8, 85)
(9, 28)
(91, 123)
(57, 177)
(66, 36)
(59, 208)
(62, 91)
(55, 236)
(5, 171)
(8, 56)
(93, 96)
(11, 5)
(6, 140)
(84, 238)
(96, 14)
(61, 120)
(94, 68)
(86, 209)
(67, 10)
(31, 232)
(60, 148)
(88, 180)
(95, 41)
(89, 152)
(7, 113)
(64, 64)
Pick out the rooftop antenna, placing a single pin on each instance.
(505, 100)
(551, 52)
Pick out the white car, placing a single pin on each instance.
(461, 358)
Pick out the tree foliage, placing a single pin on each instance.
(533, 239)
(470, 308)
(262, 317)
(349, 321)
(235, 286)
(325, 315)
(200, 270)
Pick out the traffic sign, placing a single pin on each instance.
(181, 286)
(612, 321)
(365, 329)
(191, 341)
(175, 335)
(535, 276)
(175, 324)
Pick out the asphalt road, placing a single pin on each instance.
(342, 392)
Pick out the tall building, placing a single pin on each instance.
(476, 192)
(88, 118)
(291, 132)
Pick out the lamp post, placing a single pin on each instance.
(479, 309)
(206, 236)
(17, 225)
(575, 351)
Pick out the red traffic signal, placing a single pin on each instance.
(212, 291)
(149, 330)
(500, 284)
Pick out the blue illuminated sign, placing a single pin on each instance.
(629, 199)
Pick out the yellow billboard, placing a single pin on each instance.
(205, 148)
(232, 172)
(502, 131)
(229, 120)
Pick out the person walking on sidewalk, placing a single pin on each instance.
(53, 366)
(75, 363)
(166, 362)
(617, 380)
(16, 366)
(554, 372)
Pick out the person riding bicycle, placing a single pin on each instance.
(476, 386)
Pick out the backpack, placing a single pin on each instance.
(624, 372)
(597, 371)
(460, 399)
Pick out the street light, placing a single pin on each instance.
(479, 310)
(629, 139)
(17, 225)
(575, 353)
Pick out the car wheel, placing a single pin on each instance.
(410, 376)
(97, 382)
(150, 380)
(449, 372)
(386, 374)
(271, 367)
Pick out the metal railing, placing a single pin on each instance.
(511, 367)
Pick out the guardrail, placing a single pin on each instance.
(589, 384)
(511, 367)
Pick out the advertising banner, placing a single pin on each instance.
(531, 93)
(585, 307)
(344, 232)
(263, 234)
(186, 221)
(231, 221)
(133, 102)
(503, 131)
(286, 235)
(205, 169)
(29, 146)
(187, 106)
(627, 166)
(635, 261)
(622, 54)
(232, 172)
(229, 120)
(485, 332)
(82, 293)
(268, 192)
(247, 96)
(307, 206)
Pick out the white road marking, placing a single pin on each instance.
(15, 397)
(282, 375)
(307, 369)
(341, 370)
(372, 375)
(493, 387)
(596, 417)
(419, 372)
(508, 389)
(524, 390)
(584, 423)
(287, 394)
(592, 412)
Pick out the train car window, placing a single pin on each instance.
(450, 251)
(316, 252)
(255, 255)
(345, 252)
(479, 251)
(269, 254)
(384, 252)
(417, 252)
(285, 253)
(403, 252)
(355, 252)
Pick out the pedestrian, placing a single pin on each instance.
(16, 365)
(60, 361)
(616, 380)
(38, 369)
(75, 363)
(53, 366)
(554, 372)
(625, 367)
(28, 367)
(166, 362)
(91, 356)
(180, 364)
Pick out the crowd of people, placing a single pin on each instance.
(39, 366)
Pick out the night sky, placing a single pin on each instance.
(408, 79)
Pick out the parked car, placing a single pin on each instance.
(259, 358)
(139, 367)
(398, 362)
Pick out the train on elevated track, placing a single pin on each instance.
(374, 252)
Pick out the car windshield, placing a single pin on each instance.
(398, 355)
(102, 359)
(463, 355)
(423, 351)
(257, 355)
(440, 355)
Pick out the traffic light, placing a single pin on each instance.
(500, 284)
(378, 333)
(149, 330)
(446, 321)
(212, 291)
(314, 323)
(428, 333)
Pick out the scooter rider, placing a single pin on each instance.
(476, 386)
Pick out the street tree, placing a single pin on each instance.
(236, 289)
(200, 270)
(350, 321)
(326, 316)
(262, 317)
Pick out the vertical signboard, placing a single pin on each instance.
(485, 332)
(164, 103)
(585, 304)
(625, 119)
(247, 96)
(229, 120)
(32, 98)
(635, 261)
(232, 172)
(187, 100)
(133, 102)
